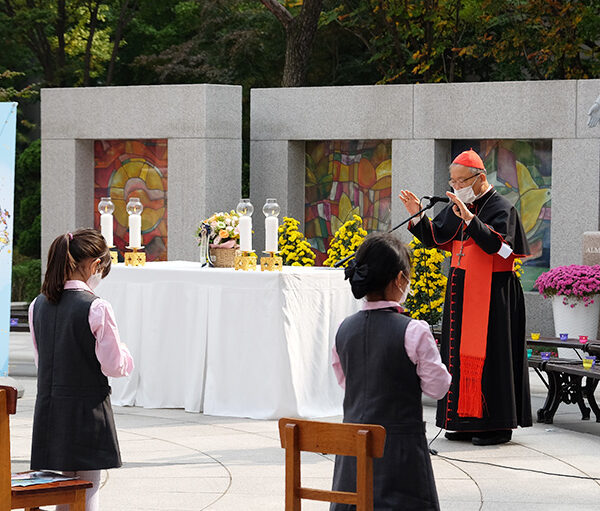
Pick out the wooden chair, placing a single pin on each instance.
(365, 441)
(31, 497)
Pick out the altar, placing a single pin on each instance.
(232, 343)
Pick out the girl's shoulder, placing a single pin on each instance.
(419, 325)
(101, 307)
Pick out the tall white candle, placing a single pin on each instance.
(135, 231)
(271, 235)
(106, 228)
(245, 227)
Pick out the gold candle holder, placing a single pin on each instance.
(272, 262)
(135, 257)
(114, 255)
(245, 260)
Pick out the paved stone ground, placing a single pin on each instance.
(175, 460)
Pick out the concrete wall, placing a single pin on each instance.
(421, 120)
(202, 124)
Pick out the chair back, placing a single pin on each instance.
(8, 406)
(364, 441)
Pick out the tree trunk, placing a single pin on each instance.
(87, 60)
(124, 18)
(61, 24)
(430, 6)
(38, 42)
(454, 42)
(300, 35)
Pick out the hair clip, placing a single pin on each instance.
(70, 236)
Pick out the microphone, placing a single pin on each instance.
(433, 199)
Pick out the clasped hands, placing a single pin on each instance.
(413, 205)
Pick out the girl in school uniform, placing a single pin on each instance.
(76, 344)
(385, 360)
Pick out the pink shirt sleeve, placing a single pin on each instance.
(337, 368)
(30, 321)
(422, 350)
(114, 357)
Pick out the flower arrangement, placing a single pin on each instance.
(345, 241)
(579, 283)
(518, 267)
(427, 282)
(293, 246)
(222, 229)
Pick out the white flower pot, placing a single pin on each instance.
(575, 321)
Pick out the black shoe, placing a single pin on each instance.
(459, 436)
(492, 437)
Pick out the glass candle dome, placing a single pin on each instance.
(271, 208)
(106, 206)
(245, 208)
(134, 206)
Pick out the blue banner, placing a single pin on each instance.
(8, 132)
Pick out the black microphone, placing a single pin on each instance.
(433, 199)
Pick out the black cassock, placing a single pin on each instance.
(505, 399)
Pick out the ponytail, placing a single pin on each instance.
(66, 253)
(60, 265)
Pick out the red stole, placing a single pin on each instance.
(478, 266)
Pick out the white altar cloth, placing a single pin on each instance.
(232, 343)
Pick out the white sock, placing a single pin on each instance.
(92, 495)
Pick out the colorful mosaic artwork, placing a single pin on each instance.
(521, 170)
(344, 178)
(134, 168)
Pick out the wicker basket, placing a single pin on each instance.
(223, 257)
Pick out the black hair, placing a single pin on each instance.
(378, 261)
(66, 253)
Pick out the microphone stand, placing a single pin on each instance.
(422, 210)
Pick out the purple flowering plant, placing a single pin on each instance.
(579, 282)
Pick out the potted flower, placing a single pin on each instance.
(427, 282)
(575, 304)
(223, 236)
(294, 248)
(345, 241)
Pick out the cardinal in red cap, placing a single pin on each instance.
(469, 159)
(483, 329)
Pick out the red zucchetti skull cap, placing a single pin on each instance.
(469, 159)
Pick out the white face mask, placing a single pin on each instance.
(467, 195)
(405, 292)
(94, 280)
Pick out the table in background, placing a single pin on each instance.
(233, 343)
(565, 378)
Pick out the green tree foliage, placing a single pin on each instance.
(11, 92)
(410, 41)
(26, 278)
(222, 41)
(27, 201)
(62, 42)
(540, 39)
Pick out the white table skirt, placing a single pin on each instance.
(232, 343)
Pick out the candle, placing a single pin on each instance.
(106, 228)
(271, 235)
(135, 231)
(106, 208)
(245, 228)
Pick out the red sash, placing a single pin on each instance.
(478, 266)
